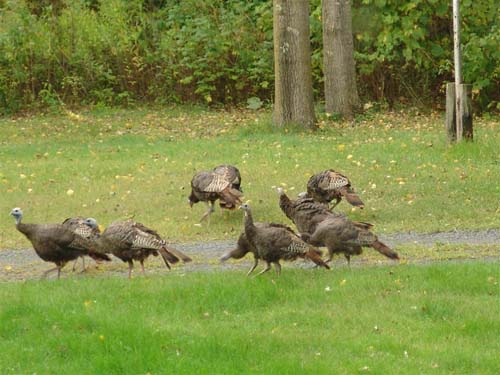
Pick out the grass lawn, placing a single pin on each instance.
(114, 164)
(407, 319)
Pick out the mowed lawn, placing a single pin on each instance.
(115, 164)
(433, 319)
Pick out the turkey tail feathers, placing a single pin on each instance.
(98, 256)
(313, 255)
(317, 251)
(237, 253)
(354, 200)
(168, 257)
(362, 225)
(230, 198)
(227, 255)
(179, 254)
(385, 250)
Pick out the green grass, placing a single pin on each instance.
(434, 319)
(122, 163)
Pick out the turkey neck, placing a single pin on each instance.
(287, 206)
(250, 229)
(25, 229)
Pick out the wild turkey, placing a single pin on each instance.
(305, 212)
(210, 186)
(309, 216)
(341, 235)
(273, 244)
(90, 232)
(56, 243)
(230, 173)
(243, 246)
(329, 185)
(130, 240)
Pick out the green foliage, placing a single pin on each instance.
(433, 319)
(405, 48)
(120, 52)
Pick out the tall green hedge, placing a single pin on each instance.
(117, 52)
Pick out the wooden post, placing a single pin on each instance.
(458, 65)
(451, 120)
(465, 114)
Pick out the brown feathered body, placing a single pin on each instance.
(273, 244)
(211, 186)
(78, 226)
(341, 235)
(328, 185)
(230, 173)
(305, 213)
(243, 246)
(130, 240)
(57, 243)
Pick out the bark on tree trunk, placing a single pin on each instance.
(341, 93)
(292, 64)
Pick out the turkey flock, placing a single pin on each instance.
(317, 223)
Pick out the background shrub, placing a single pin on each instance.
(119, 52)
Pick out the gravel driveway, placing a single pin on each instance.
(24, 264)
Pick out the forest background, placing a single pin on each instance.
(59, 53)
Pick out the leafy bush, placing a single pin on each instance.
(406, 48)
(119, 52)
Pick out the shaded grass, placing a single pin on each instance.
(441, 318)
(139, 163)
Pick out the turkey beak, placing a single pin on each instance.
(190, 203)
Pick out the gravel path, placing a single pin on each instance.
(24, 264)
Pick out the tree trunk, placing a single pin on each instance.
(341, 93)
(292, 64)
